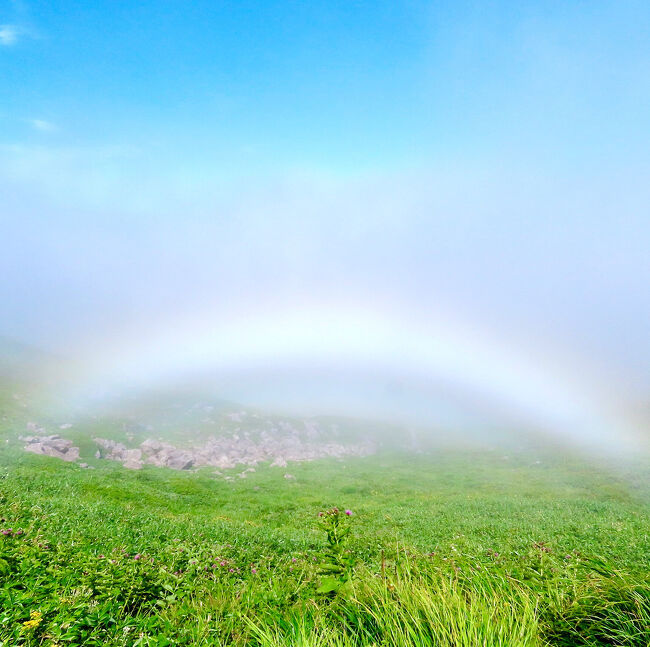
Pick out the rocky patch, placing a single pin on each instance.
(229, 452)
(54, 446)
(278, 445)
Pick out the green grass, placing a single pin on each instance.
(451, 549)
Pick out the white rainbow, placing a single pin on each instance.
(541, 387)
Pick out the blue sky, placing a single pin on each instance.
(340, 85)
(475, 162)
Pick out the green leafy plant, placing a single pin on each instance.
(337, 563)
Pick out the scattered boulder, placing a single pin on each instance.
(151, 446)
(180, 461)
(54, 446)
(276, 443)
(130, 458)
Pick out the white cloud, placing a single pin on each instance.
(9, 35)
(42, 125)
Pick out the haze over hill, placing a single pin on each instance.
(324, 323)
(445, 228)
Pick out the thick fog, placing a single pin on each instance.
(455, 232)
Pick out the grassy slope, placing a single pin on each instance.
(480, 514)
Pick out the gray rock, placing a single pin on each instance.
(72, 454)
(54, 446)
(34, 448)
(133, 454)
(285, 444)
(151, 446)
(180, 461)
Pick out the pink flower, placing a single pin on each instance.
(137, 556)
(348, 512)
(253, 571)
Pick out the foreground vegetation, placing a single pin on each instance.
(447, 549)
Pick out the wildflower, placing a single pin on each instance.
(294, 560)
(253, 571)
(222, 563)
(348, 513)
(137, 556)
(35, 619)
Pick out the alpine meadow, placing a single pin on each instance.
(324, 324)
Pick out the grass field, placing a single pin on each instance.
(446, 548)
(453, 549)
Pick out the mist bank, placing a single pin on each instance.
(386, 403)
